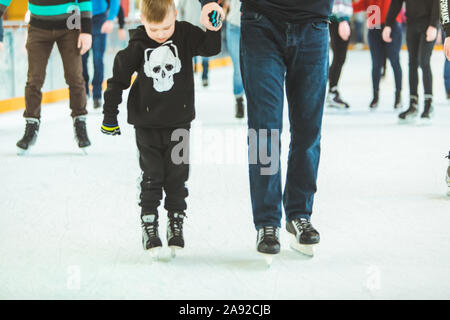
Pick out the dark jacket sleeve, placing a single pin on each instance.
(204, 43)
(121, 17)
(1, 29)
(203, 2)
(126, 62)
(394, 10)
(445, 17)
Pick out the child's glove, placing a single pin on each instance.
(110, 129)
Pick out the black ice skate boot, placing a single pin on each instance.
(150, 235)
(81, 137)
(268, 242)
(304, 236)
(29, 137)
(175, 239)
(398, 100)
(240, 107)
(410, 114)
(374, 103)
(427, 113)
(97, 103)
(334, 100)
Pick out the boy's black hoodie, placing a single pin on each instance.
(162, 95)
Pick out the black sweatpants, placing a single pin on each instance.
(420, 51)
(161, 170)
(340, 48)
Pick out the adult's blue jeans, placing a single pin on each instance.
(233, 40)
(98, 51)
(446, 68)
(379, 50)
(275, 55)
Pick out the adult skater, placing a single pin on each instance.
(160, 102)
(339, 39)
(233, 29)
(284, 40)
(379, 49)
(102, 24)
(52, 23)
(421, 33)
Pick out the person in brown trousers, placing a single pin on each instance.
(69, 26)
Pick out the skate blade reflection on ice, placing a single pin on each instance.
(268, 258)
(154, 253)
(173, 250)
(22, 152)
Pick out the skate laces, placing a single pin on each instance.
(270, 232)
(30, 129)
(151, 228)
(302, 224)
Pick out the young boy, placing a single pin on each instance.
(161, 100)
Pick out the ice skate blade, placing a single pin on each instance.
(84, 151)
(173, 250)
(407, 121)
(22, 152)
(306, 249)
(268, 258)
(154, 253)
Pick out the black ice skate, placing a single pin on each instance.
(150, 235)
(427, 113)
(97, 103)
(374, 103)
(268, 243)
(175, 239)
(79, 128)
(334, 100)
(410, 114)
(29, 137)
(304, 236)
(398, 101)
(240, 107)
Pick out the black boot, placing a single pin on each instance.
(240, 107)
(398, 100)
(374, 104)
(412, 111)
(30, 135)
(150, 235)
(304, 235)
(97, 103)
(427, 110)
(79, 127)
(175, 237)
(268, 240)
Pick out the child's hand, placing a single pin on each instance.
(107, 27)
(387, 34)
(111, 129)
(122, 34)
(206, 19)
(1, 46)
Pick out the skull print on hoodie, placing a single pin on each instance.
(162, 95)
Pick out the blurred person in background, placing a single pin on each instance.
(421, 33)
(379, 49)
(102, 24)
(339, 39)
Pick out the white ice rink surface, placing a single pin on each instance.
(69, 223)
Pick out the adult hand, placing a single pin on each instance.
(387, 34)
(344, 30)
(206, 10)
(431, 33)
(122, 34)
(447, 48)
(84, 42)
(107, 27)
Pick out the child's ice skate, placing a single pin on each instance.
(175, 239)
(150, 235)
(29, 137)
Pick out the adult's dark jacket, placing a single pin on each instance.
(424, 12)
(445, 16)
(294, 11)
(150, 105)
